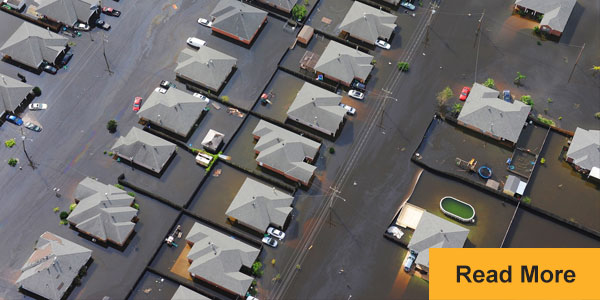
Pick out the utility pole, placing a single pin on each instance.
(110, 72)
(31, 163)
(433, 7)
(576, 62)
(478, 28)
(335, 192)
(388, 92)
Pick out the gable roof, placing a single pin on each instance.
(31, 45)
(205, 66)
(344, 63)
(258, 205)
(585, 148)
(176, 110)
(218, 258)
(286, 5)
(556, 12)
(285, 151)
(317, 106)
(51, 268)
(104, 211)
(435, 232)
(183, 293)
(68, 11)
(237, 18)
(368, 23)
(484, 110)
(12, 93)
(146, 149)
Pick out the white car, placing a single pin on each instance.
(274, 232)
(270, 241)
(160, 90)
(383, 44)
(349, 109)
(38, 106)
(356, 94)
(408, 5)
(195, 42)
(82, 26)
(205, 22)
(202, 97)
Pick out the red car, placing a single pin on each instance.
(110, 11)
(137, 103)
(464, 93)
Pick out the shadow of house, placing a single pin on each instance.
(14, 95)
(69, 12)
(237, 20)
(205, 68)
(368, 24)
(343, 64)
(142, 149)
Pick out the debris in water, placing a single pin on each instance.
(235, 112)
(216, 105)
(162, 280)
(354, 184)
(217, 172)
(147, 291)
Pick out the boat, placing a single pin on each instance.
(457, 209)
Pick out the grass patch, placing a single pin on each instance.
(526, 200)
(119, 186)
(545, 120)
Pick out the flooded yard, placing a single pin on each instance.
(282, 91)
(153, 286)
(217, 119)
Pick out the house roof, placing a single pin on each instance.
(205, 66)
(104, 211)
(183, 293)
(435, 232)
(484, 110)
(368, 23)
(237, 18)
(258, 205)
(213, 139)
(31, 45)
(12, 92)
(344, 63)
(556, 12)
(175, 110)
(146, 149)
(512, 183)
(51, 268)
(68, 11)
(317, 106)
(284, 150)
(585, 148)
(284, 4)
(218, 258)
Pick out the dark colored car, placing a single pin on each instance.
(358, 85)
(165, 84)
(14, 119)
(101, 24)
(49, 68)
(33, 127)
(506, 96)
(66, 58)
(110, 11)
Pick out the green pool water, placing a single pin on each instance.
(455, 207)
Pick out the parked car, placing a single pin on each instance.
(408, 5)
(358, 85)
(160, 90)
(506, 96)
(101, 24)
(205, 22)
(49, 68)
(356, 94)
(82, 26)
(383, 44)
(137, 103)
(14, 119)
(38, 106)
(270, 241)
(195, 42)
(66, 58)
(33, 127)
(409, 261)
(202, 97)
(274, 232)
(165, 84)
(110, 11)
(349, 109)
(464, 93)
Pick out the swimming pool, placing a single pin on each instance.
(457, 209)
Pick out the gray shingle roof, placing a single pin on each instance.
(286, 5)
(512, 183)
(50, 270)
(12, 93)
(368, 23)
(146, 149)
(344, 63)
(257, 206)
(484, 110)
(285, 151)
(206, 66)
(67, 11)
(435, 232)
(237, 18)
(319, 107)
(585, 148)
(178, 110)
(31, 44)
(183, 293)
(218, 258)
(556, 12)
(104, 211)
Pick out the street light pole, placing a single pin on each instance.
(31, 163)
(335, 192)
(110, 72)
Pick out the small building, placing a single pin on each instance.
(317, 108)
(212, 141)
(484, 112)
(367, 23)
(514, 186)
(218, 259)
(13, 94)
(584, 152)
(258, 206)
(175, 111)
(206, 68)
(285, 152)
(103, 212)
(183, 293)
(554, 13)
(69, 12)
(305, 34)
(343, 64)
(393, 2)
(52, 267)
(435, 232)
(17, 5)
(282, 5)
(203, 159)
(237, 20)
(145, 150)
(31, 45)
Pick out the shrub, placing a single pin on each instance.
(539, 43)
(132, 194)
(63, 222)
(519, 77)
(521, 13)
(456, 108)
(444, 95)
(136, 206)
(545, 120)
(331, 150)
(527, 100)
(374, 61)
(110, 153)
(257, 269)
(273, 261)
(542, 161)
(490, 83)
(56, 209)
(536, 30)
(540, 17)
(550, 100)
(119, 186)
(12, 162)
(597, 115)
(403, 66)
(299, 12)
(306, 2)
(9, 143)
(63, 215)
(225, 98)
(526, 200)
(37, 91)
(72, 206)
(111, 126)
(559, 118)
(104, 152)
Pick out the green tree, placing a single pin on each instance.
(536, 30)
(403, 66)
(456, 108)
(519, 77)
(257, 269)
(111, 126)
(63, 215)
(12, 162)
(299, 12)
(490, 83)
(443, 96)
(597, 115)
(37, 91)
(527, 100)
(9, 143)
